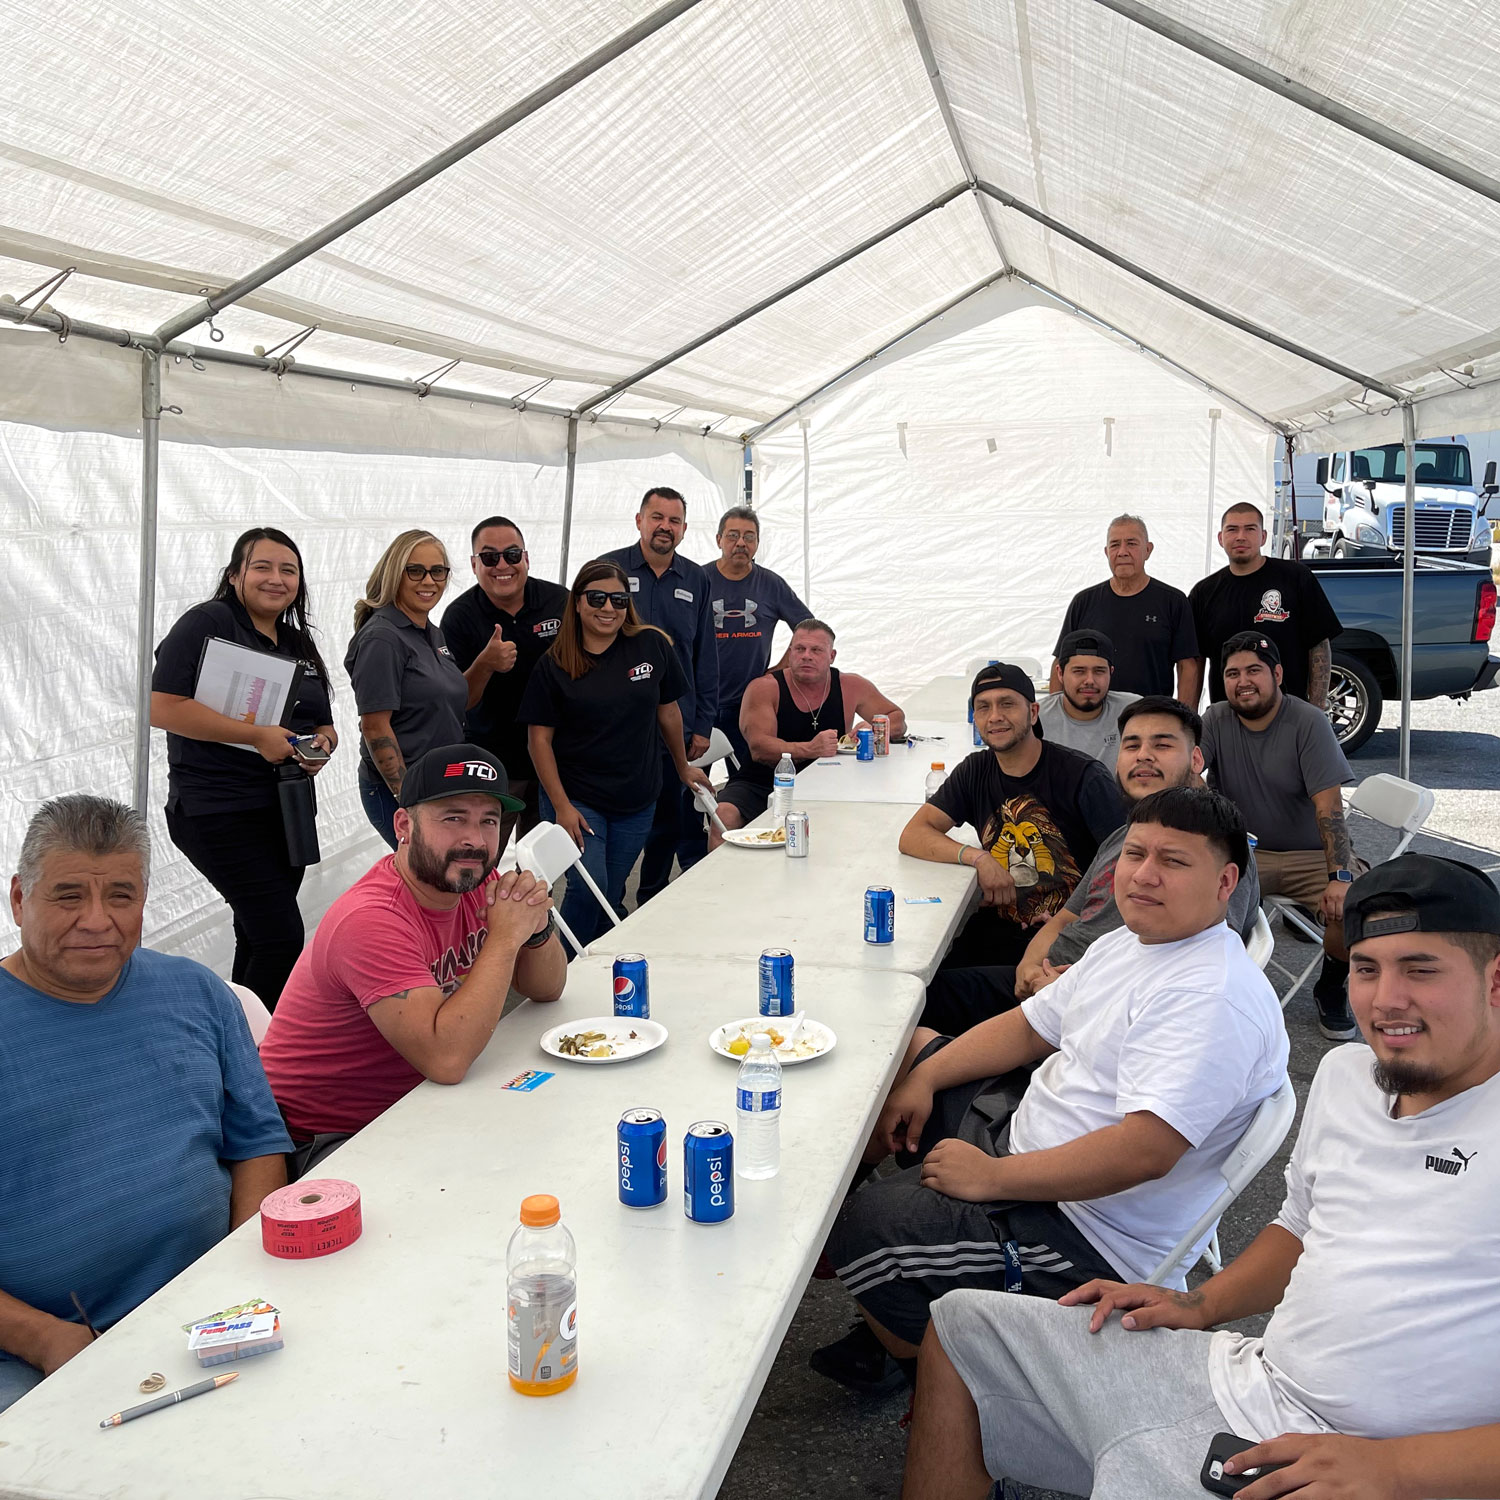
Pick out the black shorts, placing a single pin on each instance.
(898, 1246)
(749, 798)
(960, 998)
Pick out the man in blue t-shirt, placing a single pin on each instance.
(138, 1127)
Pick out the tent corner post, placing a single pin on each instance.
(146, 599)
(1408, 579)
(567, 515)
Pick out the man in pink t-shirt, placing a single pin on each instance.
(407, 974)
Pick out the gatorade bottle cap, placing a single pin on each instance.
(539, 1211)
(937, 765)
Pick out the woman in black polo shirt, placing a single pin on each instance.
(409, 691)
(601, 704)
(223, 809)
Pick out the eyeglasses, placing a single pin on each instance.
(490, 557)
(598, 598)
(416, 572)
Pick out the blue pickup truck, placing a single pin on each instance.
(1454, 619)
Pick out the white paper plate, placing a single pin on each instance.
(745, 838)
(649, 1035)
(814, 1031)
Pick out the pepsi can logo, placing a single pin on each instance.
(478, 769)
(661, 1154)
(624, 988)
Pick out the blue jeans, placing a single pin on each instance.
(379, 804)
(16, 1378)
(609, 855)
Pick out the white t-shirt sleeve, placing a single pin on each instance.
(1301, 1172)
(1044, 1010)
(1189, 1058)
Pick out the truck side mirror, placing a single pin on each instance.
(1323, 473)
(1369, 484)
(1490, 487)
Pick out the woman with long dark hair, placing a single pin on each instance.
(223, 804)
(600, 705)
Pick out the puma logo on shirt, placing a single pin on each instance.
(1450, 1167)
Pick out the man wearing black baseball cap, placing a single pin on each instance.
(1383, 1270)
(1277, 758)
(1041, 811)
(1083, 714)
(408, 972)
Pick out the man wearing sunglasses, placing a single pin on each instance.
(672, 593)
(497, 631)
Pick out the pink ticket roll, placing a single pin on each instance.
(307, 1219)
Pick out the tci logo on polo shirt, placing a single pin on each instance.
(642, 673)
(546, 627)
(475, 768)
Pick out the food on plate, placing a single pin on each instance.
(593, 1044)
(769, 836)
(736, 1040)
(848, 742)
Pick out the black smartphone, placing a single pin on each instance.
(308, 749)
(1226, 1445)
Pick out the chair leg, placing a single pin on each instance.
(566, 931)
(1213, 1255)
(588, 880)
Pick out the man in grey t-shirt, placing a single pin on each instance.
(1158, 748)
(1277, 759)
(1083, 714)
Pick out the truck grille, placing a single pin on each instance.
(1438, 530)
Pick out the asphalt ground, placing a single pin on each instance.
(809, 1437)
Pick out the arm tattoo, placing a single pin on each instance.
(1319, 661)
(1337, 846)
(386, 754)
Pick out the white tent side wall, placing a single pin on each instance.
(958, 498)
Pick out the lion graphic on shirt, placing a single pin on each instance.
(1023, 835)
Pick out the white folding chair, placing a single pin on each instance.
(719, 749)
(1260, 945)
(1400, 805)
(255, 1011)
(1263, 1136)
(549, 852)
(704, 800)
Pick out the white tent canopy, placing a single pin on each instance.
(646, 234)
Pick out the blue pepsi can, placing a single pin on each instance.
(708, 1172)
(865, 739)
(642, 1158)
(632, 987)
(880, 914)
(776, 983)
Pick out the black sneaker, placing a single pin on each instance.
(1335, 1020)
(860, 1362)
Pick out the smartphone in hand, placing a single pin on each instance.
(308, 748)
(1214, 1479)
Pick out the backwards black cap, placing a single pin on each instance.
(452, 770)
(1001, 674)
(1251, 640)
(1085, 643)
(1420, 893)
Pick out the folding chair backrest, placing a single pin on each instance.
(719, 749)
(1263, 1136)
(547, 852)
(1261, 944)
(1396, 803)
(255, 1010)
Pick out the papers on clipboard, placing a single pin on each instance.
(254, 687)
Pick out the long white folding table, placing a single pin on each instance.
(392, 1384)
(898, 777)
(739, 901)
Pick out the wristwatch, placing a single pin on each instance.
(1344, 877)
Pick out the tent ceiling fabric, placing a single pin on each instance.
(166, 146)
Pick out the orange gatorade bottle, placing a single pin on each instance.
(541, 1287)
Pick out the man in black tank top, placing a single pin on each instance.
(801, 709)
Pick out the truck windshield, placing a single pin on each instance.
(1448, 464)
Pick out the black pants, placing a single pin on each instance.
(960, 998)
(987, 939)
(243, 856)
(665, 835)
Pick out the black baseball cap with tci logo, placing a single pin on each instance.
(454, 770)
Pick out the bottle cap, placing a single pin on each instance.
(937, 765)
(539, 1211)
(760, 1042)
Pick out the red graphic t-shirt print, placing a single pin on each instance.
(1272, 609)
(1100, 893)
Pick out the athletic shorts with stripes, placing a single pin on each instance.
(898, 1246)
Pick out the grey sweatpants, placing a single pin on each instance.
(1115, 1415)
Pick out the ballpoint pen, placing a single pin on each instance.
(170, 1399)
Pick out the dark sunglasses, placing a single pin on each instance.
(598, 598)
(491, 558)
(416, 572)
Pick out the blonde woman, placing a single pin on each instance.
(408, 689)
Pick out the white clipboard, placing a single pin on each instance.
(254, 687)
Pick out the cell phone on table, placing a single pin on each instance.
(1226, 1445)
(308, 748)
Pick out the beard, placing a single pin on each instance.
(1399, 1077)
(432, 868)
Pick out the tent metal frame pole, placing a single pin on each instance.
(918, 24)
(1408, 581)
(567, 515)
(1213, 463)
(145, 614)
(1308, 98)
(554, 88)
(806, 515)
(1181, 294)
(212, 354)
(756, 433)
(1144, 348)
(843, 258)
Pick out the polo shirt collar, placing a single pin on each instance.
(395, 616)
(637, 560)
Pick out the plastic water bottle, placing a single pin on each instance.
(784, 788)
(757, 1145)
(541, 1294)
(935, 778)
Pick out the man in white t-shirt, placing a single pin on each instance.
(1376, 1378)
(1154, 1050)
